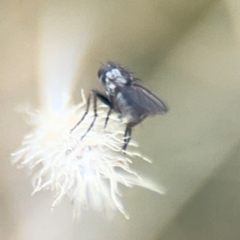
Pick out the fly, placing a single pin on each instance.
(125, 96)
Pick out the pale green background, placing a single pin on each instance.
(187, 52)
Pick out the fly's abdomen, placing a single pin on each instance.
(129, 113)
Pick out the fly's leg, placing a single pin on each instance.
(94, 117)
(84, 115)
(107, 118)
(105, 100)
(127, 137)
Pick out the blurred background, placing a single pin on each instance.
(187, 52)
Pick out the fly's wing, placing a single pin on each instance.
(142, 100)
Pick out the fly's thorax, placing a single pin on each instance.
(114, 78)
(113, 86)
(110, 87)
(113, 74)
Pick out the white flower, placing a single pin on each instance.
(88, 171)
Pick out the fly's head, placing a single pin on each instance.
(113, 77)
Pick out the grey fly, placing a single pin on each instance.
(125, 96)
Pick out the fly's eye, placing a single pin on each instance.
(100, 72)
(103, 71)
